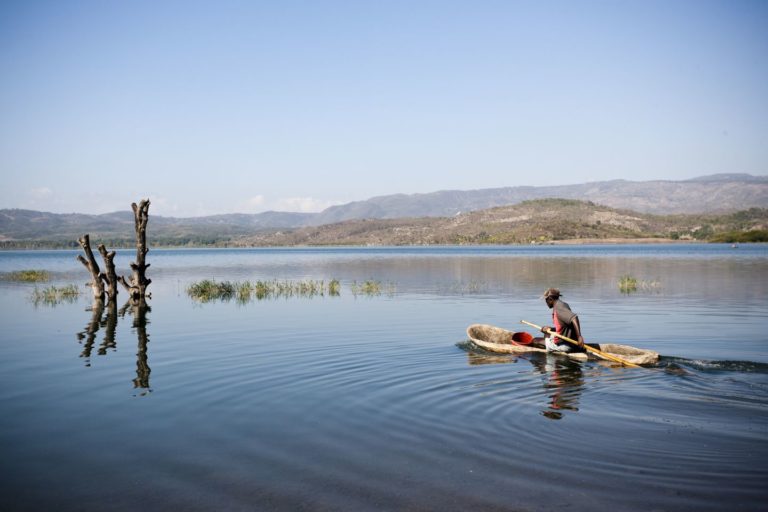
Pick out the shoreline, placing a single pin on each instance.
(628, 241)
(569, 242)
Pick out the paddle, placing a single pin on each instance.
(595, 351)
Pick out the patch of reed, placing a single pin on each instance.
(208, 290)
(53, 295)
(372, 288)
(29, 276)
(629, 284)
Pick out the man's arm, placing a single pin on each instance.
(577, 330)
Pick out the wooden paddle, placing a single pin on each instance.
(595, 351)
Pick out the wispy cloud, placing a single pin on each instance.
(261, 203)
(303, 204)
(255, 202)
(40, 198)
(41, 193)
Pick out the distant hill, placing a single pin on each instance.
(720, 193)
(716, 193)
(117, 228)
(538, 221)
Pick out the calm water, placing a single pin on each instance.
(379, 402)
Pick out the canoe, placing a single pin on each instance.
(496, 339)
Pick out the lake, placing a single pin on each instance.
(377, 400)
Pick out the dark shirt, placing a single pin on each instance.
(564, 319)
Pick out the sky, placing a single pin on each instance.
(247, 106)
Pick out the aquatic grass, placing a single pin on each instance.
(244, 291)
(54, 295)
(369, 287)
(29, 276)
(372, 288)
(629, 284)
(208, 290)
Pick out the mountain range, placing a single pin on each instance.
(720, 193)
(534, 221)
(707, 194)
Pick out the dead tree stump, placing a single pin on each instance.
(137, 287)
(96, 283)
(109, 275)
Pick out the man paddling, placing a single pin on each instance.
(566, 323)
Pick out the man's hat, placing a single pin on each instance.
(551, 292)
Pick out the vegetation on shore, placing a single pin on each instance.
(730, 237)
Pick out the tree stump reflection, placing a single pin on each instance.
(139, 310)
(110, 326)
(87, 337)
(106, 317)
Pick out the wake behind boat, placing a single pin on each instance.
(496, 339)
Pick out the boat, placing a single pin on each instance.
(496, 339)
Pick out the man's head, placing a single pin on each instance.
(551, 295)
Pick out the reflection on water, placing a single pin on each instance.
(87, 337)
(563, 379)
(138, 311)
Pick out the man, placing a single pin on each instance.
(566, 323)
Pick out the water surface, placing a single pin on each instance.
(379, 402)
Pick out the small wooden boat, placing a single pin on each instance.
(496, 339)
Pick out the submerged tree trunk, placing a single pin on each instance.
(109, 275)
(96, 283)
(137, 287)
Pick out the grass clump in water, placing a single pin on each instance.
(53, 295)
(208, 290)
(629, 284)
(29, 276)
(371, 288)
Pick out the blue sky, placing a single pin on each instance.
(220, 107)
